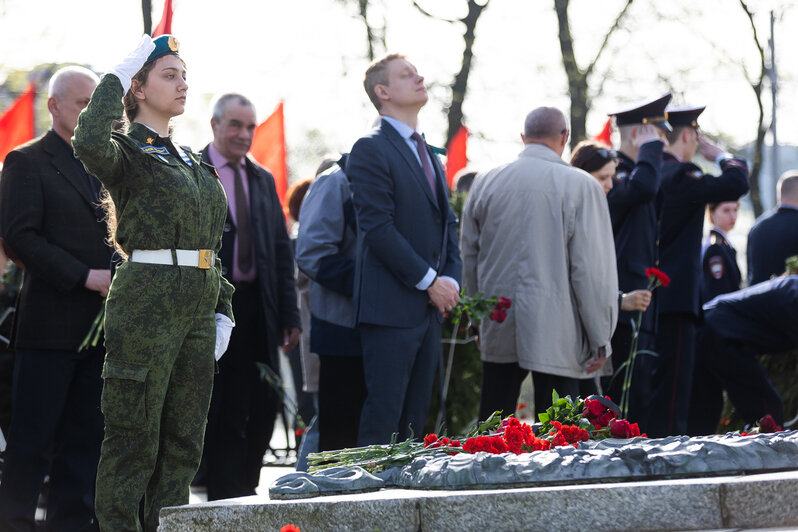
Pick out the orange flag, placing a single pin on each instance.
(16, 124)
(606, 133)
(268, 148)
(164, 27)
(456, 156)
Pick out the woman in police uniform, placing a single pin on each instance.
(168, 309)
(720, 273)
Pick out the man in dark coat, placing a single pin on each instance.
(635, 226)
(737, 327)
(686, 191)
(774, 236)
(257, 259)
(53, 225)
(408, 261)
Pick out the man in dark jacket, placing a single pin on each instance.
(53, 225)
(257, 259)
(686, 191)
(737, 327)
(635, 227)
(774, 236)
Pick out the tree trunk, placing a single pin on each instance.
(146, 11)
(460, 83)
(761, 130)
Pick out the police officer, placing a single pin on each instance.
(161, 332)
(774, 236)
(719, 271)
(737, 326)
(635, 227)
(686, 190)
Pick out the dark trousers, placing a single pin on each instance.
(342, 391)
(399, 366)
(243, 405)
(56, 428)
(501, 386)
(671, 375)
(730, 365)
(639, 387)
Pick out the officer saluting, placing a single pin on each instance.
(168, 308)
(686, 190)
(635, 226)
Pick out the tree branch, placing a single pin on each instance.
(430, 15)
(607, 36)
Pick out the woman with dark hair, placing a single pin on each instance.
(168, 311)
(720, 273)
(596, 159)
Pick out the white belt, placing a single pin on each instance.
(198, 258)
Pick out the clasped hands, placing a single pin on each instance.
(443, 294)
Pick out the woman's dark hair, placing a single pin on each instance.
(590, 155)
(296, 194)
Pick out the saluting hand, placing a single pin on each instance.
(645, 133)
(443, 294)
(99, 281)
(134, 61)
(708, 149)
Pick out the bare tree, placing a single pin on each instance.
(757, 83)
(146, 11)
(578, 78)
(375, 36)
(459, 85)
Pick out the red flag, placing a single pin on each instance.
(456, 156)
(268, 148)
(16, 124)
(606, 133)
(164, 27)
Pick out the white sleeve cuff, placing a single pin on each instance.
(426, 282)
(722, 156)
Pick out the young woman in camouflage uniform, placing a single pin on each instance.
(168, 308)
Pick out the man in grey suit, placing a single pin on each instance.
(408, 261)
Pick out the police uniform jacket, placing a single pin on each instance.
(719, 271)
(274, 258)
(762, 317)
(772, 239)
(50, 222)
(686, 192)
(161, 202)
(635, 224)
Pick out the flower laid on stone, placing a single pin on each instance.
(566, 422)
(290, 528)
(765, 425)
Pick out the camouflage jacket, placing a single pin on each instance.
(161, 202)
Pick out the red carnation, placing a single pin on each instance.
(498, 315)
(659, 275)
(504, 303)
(430, 439)
(290, 528)
(768, 424)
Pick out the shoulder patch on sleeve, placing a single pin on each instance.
(716, 268)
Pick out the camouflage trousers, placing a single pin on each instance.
(160, 336)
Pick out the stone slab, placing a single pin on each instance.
(731, 502)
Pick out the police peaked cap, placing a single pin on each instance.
(685, 116)
(649, 112)
(164, 45)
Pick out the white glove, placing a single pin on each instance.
(133, 62)
(224, 327)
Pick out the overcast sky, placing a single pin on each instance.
(311, 55)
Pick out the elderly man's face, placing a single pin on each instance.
(73, 98)
(232, 136)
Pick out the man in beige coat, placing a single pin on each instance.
(538, 231)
